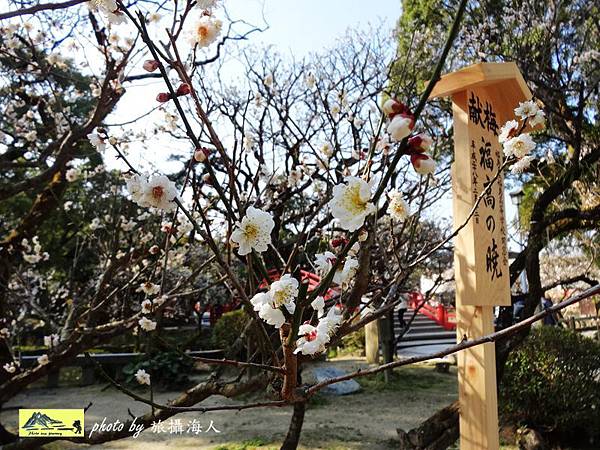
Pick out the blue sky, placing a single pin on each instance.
(298, 27)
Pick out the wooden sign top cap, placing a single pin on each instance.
(481, 75)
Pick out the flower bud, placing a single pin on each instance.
(400, 126)
(420, 143)
(339, 241)
(183, 89)
(423, 164)
(163, 97)
(150, 65)
(154, 249)
(201, 154)
(393, 107)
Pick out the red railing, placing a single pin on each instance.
(312, 279)
(442, 315)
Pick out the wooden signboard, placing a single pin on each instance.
(484, 97)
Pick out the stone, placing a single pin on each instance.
(340, 388)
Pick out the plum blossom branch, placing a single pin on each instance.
(465, 344)
(41, 7)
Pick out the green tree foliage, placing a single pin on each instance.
(551, 383)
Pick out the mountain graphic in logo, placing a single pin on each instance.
(39, 421)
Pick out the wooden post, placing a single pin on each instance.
(483, 99)
(372, 342)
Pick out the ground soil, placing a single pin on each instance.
(367, 419)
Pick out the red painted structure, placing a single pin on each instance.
(312, 279)
(442, 315)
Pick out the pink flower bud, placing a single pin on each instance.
(420, 143)
(154, 249)
(400, 126)
(423, 164)
(337, 242)
(183, 89)
(150, 65)
(393, 107)
(163, 97)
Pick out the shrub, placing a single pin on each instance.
(228, 328)
(552, 384)
(353, 343)
(167, 369)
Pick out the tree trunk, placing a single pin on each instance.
(437, 433)
(6, 436)
(293, 434)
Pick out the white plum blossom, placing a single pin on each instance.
(313, 339)
(384, 144)
(324, 262)
(51, 341)
(154, 17)
(207, 5)
(527, 109)
(142, 377)
(318, 304)
(344, 274)
(521, 165)
(248, 142)
(110, 9)
(330, 322)
(97, 141)
(10, 367)
(538, 119)
(30, 136)
(160, 300)
(309, 342)
(33, 255)
(254, 231)
(158, 192)
(519, 146)
(146, 306)
(43, 360)
(310, 80)
(400, 127)
(327, 150)
(508, 130)
(398, 208)
(206, 31)
(262, 303)
(284, 292)
(149, 288)
(350, 203)
(147, 324)
(273, 316)
(72, 174)
(335, 111)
